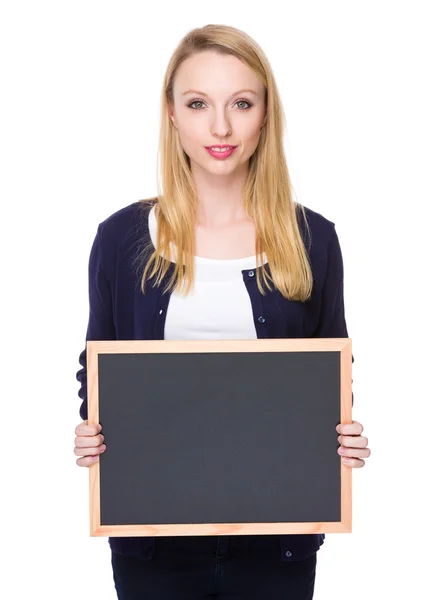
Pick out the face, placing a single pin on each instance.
(218, 112)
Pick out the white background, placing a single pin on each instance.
(79, 130)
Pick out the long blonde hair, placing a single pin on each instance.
(268, 193)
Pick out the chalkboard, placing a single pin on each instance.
(219, 437)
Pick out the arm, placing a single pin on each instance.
(100, 322)
(332, 322)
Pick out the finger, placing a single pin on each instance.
(354, 428)
(355, 463)
(89, 451)
(86, 461)
(354, 452)
(85, 429)
(359, 441)
(88, 429)
(85, 442)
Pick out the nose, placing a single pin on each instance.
(220, 126)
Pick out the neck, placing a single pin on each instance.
(220, 197)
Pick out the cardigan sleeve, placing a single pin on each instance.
(332, 320)
(100, 321)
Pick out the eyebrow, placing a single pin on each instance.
(204, 94)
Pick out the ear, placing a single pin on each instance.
(171, 114)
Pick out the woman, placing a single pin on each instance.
(220, 253)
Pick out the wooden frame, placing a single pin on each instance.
(341, 345)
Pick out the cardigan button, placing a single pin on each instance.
(261, 319)
(251, 273)
(288, 554)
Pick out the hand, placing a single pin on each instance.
(88, 443)
(353, 445)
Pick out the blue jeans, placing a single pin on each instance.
(214, 567)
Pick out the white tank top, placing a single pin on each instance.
(219, 306)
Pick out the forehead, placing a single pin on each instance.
(215, 73)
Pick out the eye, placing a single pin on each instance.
(245, 102)
(201, 102)
(195, 102)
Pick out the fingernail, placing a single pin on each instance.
(345, 459)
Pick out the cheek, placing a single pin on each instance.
(250, 130)
(250, 139)
(192, 138)
(255, 133)
(192, 131)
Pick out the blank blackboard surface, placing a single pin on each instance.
(220, 436)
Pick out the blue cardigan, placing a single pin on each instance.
(119, 311)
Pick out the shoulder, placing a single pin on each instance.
(127, 223)
(317, 219)
(124, 233)
(127, 216)
(321, 228)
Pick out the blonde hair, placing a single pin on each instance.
(268, 193)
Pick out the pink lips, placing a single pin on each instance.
(221, 155)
